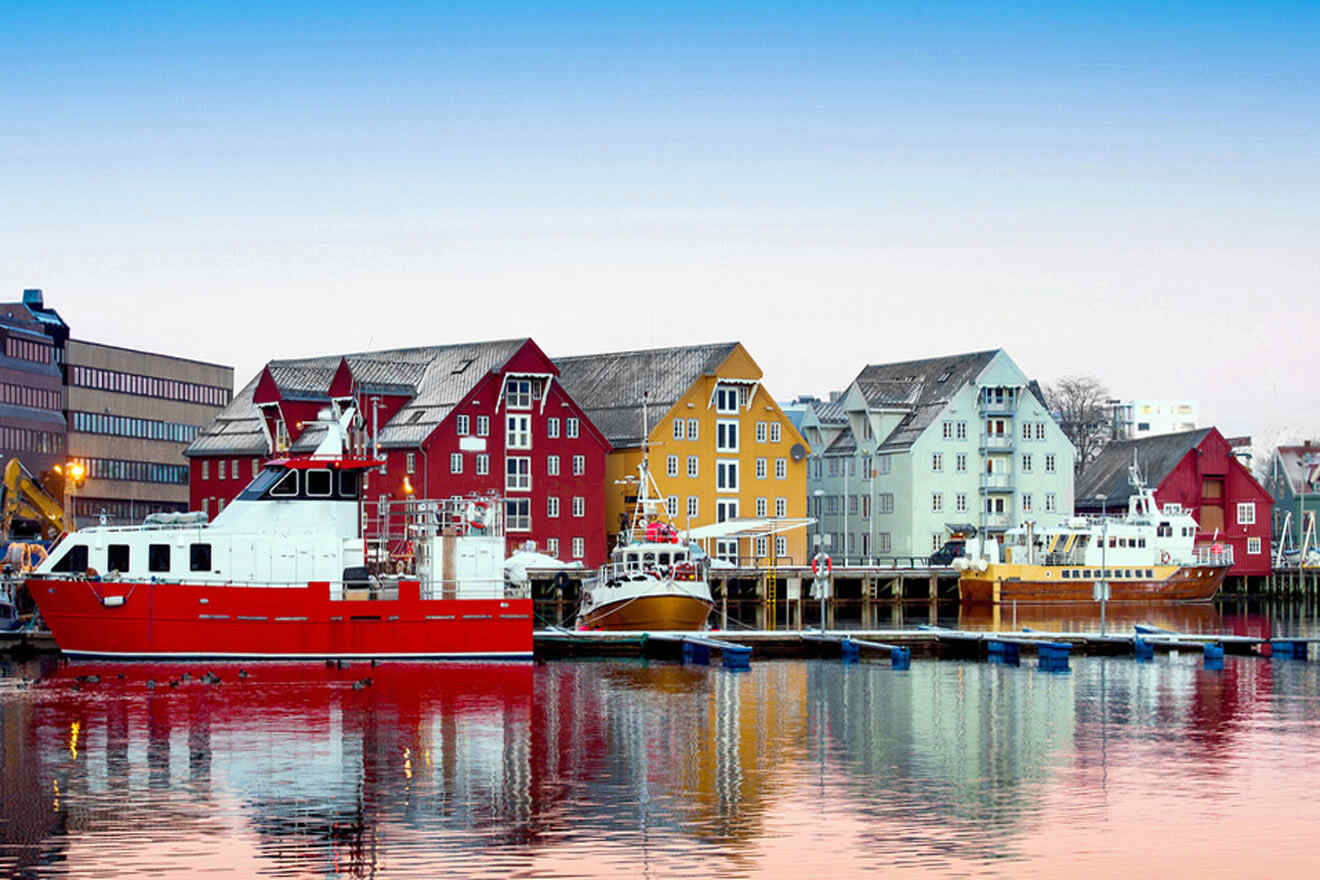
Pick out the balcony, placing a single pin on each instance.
(996, 483)
(997, 521)
(992, 405)
(997, 442)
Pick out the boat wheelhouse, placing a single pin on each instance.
(298, 566)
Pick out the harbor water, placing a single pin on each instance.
(630, 768)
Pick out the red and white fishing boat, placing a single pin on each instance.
(297, 567)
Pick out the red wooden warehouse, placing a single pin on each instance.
(1198, 470)
(449, 420)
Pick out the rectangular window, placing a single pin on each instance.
(220, 469)
(1040, 430)
(117, 557)
(456, 462)
(962, 430)
(726, 399)
(781, 507)
(1246, 513)
(693, 425)
(762, 547)
(552, 507)
(518, 473)
(574, 427)
(1026, 502)
(552, 465)
(781, 546)
(579, 465)
(410, 463)
(256, 468)
(1026, 462)
(1253, 546)
(725, 509)
(936, 541)
(552, 547)
(726, 475)
(937, 461)
(762, 432)
(781, 469)
(199, 557)
(483, 426)
(726, 436)
(948, 430)
(518, 432)
(1049, 463)
(937, 503)
(1050, 504)
(461, 424)
(693, 466)
(774, 432)
(518, 393)
(761, 470)
(884, 542)
(885, 502)
(205, 468)
(761, 507)
(552, 428)
(483, 464)
(693, 505)
(158, 557)
(518, 515)
(1026, 430)
(678, 429)
(579, 506)
(579, 548)
(671, 506)
(960, 462)
(671, 465)
(960, 502)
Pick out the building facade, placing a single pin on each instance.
(1198, 470)
(1293, 480)
(915, 452)
(721, 448)
(455, 420)
(1134, 419)
(131, 414)
(32, 425)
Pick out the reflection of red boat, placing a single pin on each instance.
(297, 567)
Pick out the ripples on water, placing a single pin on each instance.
(627, 768)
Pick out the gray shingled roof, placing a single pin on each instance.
(1157, 456)
(610, 386)
(844, 444)
(437, 376)
(830, 413)
(921, 387)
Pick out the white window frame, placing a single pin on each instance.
(960, 502)
(518, 431)
(552, 547)
(726, 435)
(781, 507)
(693, 506)
(960, 462)
(723, 395)
(693, 466)
(579, 548)
(1026, 502)
(1253, 546)
(762, 469)
(572, 428)
(1026, 462)
(694, 429)
(461, 425)
(483, 464)
(483, 426)
(410, 463)
(552, 507)
(552, 465)
(962, 430)
(517, 522)
(671, 465)
(726, 509)
(519, 479)
(518, 393)
(579, 506)
(781, 469)
(937, 503)
(775, 435)
(762, 508)
(671, 506)
(1050, 502)
(456, 462)
(552, 427)
(678, 429)
(1246, 513)
(579, 465)
(1049, 462)
(762, 432)
(937, 462)
(726, 475)
(781, 546)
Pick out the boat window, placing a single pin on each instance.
(1067, 573)
(1164, 530)
(287, 487)
(1141, 542)
(73, 561)
(648, 560)
(116, 557)
(664, 559)
(1150, 573)
(319, 483)
(158, 557)
(1113, 542)
(348, 484)
(199, 557)
(257, 488)
(680, 557)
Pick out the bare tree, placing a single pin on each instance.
(1080, 404)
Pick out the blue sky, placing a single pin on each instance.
(1112, 189)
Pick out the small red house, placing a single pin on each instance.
(448, 420)
(1198, 470)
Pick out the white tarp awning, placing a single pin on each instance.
(747, 528)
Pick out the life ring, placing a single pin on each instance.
(1164, 557)
(477, 514)
(816, 564)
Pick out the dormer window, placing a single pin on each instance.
(726, 399)
(518, 393)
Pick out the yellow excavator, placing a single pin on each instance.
(24, 498)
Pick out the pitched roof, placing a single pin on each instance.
(1156, 457)
(922, 387)
(436, 378)
(610, 387)
(1298, 463)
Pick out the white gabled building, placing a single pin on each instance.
(938, 445)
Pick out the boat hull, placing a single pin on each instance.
(995, 586)
(144, 620)
(668, 612)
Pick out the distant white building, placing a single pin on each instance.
(1134, 419)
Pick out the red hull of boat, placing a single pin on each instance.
(164, 620)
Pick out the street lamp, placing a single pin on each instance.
(1102, 585)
